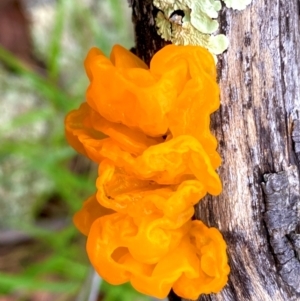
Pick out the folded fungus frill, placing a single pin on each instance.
(148, 129)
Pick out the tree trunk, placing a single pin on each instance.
(258, 129)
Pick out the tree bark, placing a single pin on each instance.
(258, 129)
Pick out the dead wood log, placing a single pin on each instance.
(258, 129)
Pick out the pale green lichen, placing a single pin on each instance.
(181, 32)
(184, 33)
(198, 23)
(237, 4)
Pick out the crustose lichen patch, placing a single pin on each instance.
(193, 22)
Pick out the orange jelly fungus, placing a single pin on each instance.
(148, 129)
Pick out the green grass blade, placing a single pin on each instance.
(58, 98)
(55, 42)
(11, 282)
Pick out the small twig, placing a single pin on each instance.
(90, 288)
(95, 287)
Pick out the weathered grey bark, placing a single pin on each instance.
(258, 130)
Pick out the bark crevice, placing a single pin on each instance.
(282, 199)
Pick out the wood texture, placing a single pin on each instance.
(260, 91)
(147, 40)
(282, 200)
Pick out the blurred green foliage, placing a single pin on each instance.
(124, 292)
(61, 265)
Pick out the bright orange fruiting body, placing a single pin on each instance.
(148, 129)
